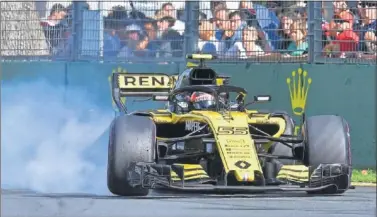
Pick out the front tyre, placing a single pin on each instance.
(132, 139)
(328, 142)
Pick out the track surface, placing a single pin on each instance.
(354, 203)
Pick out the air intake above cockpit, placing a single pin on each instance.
(203, 76)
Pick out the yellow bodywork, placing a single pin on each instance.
(190, 172)
(296, 173)
(234, 143)
(231, 130)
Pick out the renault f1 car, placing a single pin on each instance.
(223, 148)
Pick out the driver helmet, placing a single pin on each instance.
(201, 100)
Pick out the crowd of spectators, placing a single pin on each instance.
(253, 29)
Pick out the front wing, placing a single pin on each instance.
(159, 176)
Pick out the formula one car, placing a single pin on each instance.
(207, 141)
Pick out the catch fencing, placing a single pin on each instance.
(164, 31)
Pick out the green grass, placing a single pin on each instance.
(370, 177)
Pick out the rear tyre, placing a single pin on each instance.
(328, 142)
(132, 139)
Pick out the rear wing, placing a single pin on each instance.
(143, 85)
(156, 86)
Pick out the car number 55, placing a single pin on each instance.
(233, 130)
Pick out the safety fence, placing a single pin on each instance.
(164, 31)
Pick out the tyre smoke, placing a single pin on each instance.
(53, 140)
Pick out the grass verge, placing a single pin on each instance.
(364, 176)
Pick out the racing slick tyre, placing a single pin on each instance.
(327, 141)
(132, 139)
(281, 149)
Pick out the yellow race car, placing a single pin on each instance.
(207, 140)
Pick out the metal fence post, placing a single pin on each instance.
(191, 27)
(73, 33)
(77, 10)
(317, 30)
(1, 26)
(101, 35)
(311, 35)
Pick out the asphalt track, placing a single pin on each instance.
(354, 203)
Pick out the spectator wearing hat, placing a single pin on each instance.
(129, 40)
(346, 40)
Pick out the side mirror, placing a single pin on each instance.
(262, 98)
(259, 98)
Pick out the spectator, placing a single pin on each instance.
(367, 27)
(115, 21)
(223, 32)
(169, 10)
(221, 21)
(53, 28)
(250, 43)
(280, 26)
(167, 40)
(346, 39)
(118, 13)
(298, 33)
(249, 46)
(237, 24)
(141, 47)
(371, 41)
(340, 6)
(129, 40)
(207, 37)
(248, 13)
(246, 5)
(216, 5)
(150, 27)
(57, 13)
(284, 31)
(171, 36)
(269, 23)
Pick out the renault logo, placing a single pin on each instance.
(242, 164)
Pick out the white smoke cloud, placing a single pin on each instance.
(49, 144)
